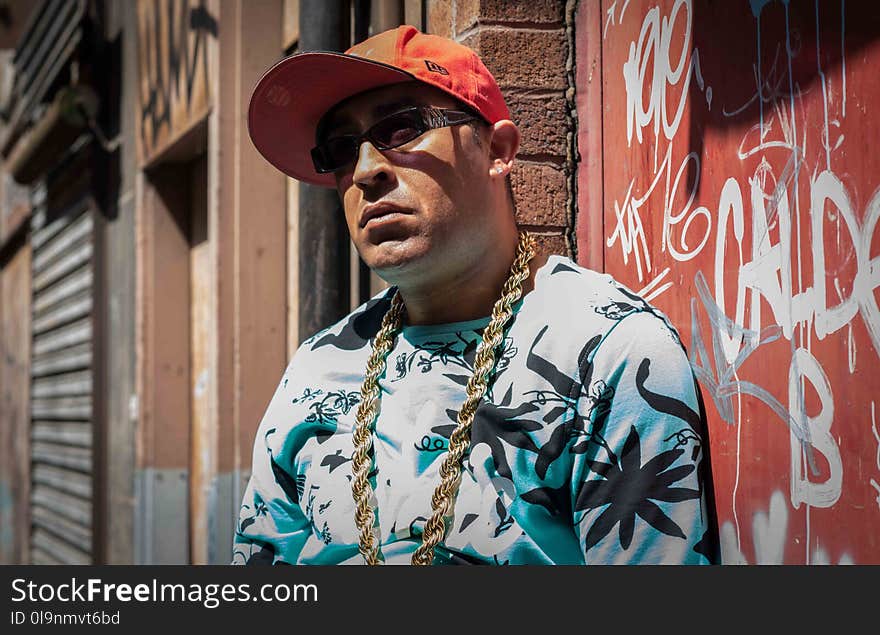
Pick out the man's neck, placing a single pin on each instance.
(469, 295)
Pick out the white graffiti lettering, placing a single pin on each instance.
(818, 428)
(768, 274)
(654, 43)
(768, 533)
(874, 483)
(630, 230)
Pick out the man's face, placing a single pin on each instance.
(417, 211)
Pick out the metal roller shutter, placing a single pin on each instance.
(61, 388)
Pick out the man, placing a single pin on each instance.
(491, 406)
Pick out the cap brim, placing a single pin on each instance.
(295, 93)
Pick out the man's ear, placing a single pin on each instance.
(504, 141)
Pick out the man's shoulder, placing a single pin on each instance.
(351, 333)
(574, 293)
(561, 277)
(586, 292)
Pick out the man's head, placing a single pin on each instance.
(424, 208)
(447, 182)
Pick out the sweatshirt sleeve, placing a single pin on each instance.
(638, 486)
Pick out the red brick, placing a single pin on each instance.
(537, 12)
(542, 122)
(524, 11)
(439, 17)
(522, 58)
(540, 191)
(467, 14)
(552, 243)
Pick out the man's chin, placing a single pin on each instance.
(394, 259)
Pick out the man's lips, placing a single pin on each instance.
(377, 210)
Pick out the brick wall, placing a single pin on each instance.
(525, 44)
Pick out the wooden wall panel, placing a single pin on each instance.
(173, 39)
(15, 321)
(163, 308)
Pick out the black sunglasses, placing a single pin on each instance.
(387, 133)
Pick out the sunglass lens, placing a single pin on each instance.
(337, 153)
(398, 129)
(391, 132)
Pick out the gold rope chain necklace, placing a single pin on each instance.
(459, 440)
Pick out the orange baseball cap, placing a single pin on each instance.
(292, 96)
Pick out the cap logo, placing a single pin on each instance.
(278, 96)
(436, 68)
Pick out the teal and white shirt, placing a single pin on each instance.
(587, 449)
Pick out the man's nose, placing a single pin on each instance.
(372, 166)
